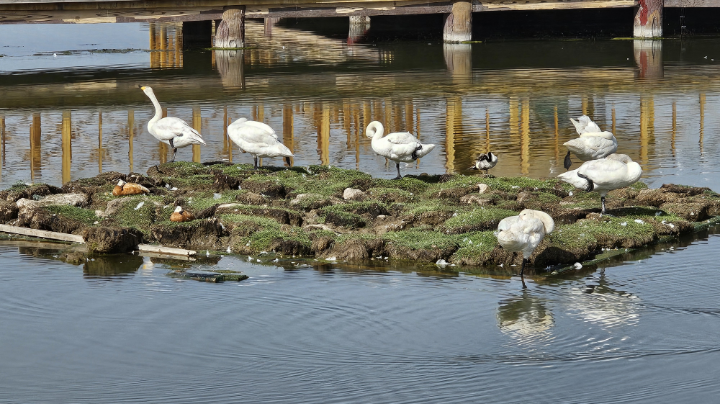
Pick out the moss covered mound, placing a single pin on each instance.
(302, 211)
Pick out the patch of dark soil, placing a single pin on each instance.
(107, 240)
(8, 211)
(32, 192)
(198, 234)
(41, 219)
(356, 249)
(267, 188)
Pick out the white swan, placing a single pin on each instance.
(603, 175)
(398, 146)
(173, 131)
(592, 144)
(485, 162)
(258, 139)
(524, 232)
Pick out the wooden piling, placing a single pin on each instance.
(458, 24)
(231, 32)
(648, 19)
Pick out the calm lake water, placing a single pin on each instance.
(643, 329)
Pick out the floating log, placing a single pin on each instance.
(165, 250)
(52, 235)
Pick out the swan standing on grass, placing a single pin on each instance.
(258, 139)
(398, 147)
(592, 144)
(524, 233)
(173, 131)
(485, 162)
(612, 172)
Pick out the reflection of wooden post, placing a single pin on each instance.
(2, 143)
(487, 131)
(674, 128)
(152, 29)
(197, 125)
(324, 135)
(613, 120)
(647, 110)
(288, 129)
(387, 105)
(450, 115)
(231, 66)
(513, 120)
(231, 32)
(163, 46)
(367, 115)
(131, 135)
(648, 57)
(35, 145)
(458, 24)
(648, 19)
(557, 135)
(269, 23)
(584, 104)
(100, 148)
(458, 59)
(525, 137)
(702, 120)
(66, 146)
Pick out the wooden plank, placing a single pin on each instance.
(41, 233)
(158, 249)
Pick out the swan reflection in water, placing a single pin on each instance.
(524, 316)
(599, 303)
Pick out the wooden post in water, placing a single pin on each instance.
(231, 32)
(458, 24)
(197, 125)
(648, 19)
(66, 146)
(324, 135)
(35, 145)
(359, 26)
(648, 57)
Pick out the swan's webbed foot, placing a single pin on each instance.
(567, 162)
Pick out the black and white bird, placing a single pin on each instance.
(170, 130)
(485, 162)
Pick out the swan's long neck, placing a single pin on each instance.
(158, 110)
(374, 130)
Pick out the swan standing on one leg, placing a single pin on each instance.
(485, 162)
(398, 147)
(592, 144)
(258, 139)
(524, 233)
(612, 172)
(173, 131)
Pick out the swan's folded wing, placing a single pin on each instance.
(401, 138)
(170, 127)
(604, 171)
(262, 127)
(572, 178)
(591, 147)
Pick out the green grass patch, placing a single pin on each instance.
(475, 248)
(85, 216)
(418, 239)
(481, 219)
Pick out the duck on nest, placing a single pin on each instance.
(180, 215)
(612, 172)
(524, 233)
(129, 188)
(170, 130)
(485, 162)
(592, 144)
(258, 139)
(398, 147)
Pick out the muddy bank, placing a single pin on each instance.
(345, 215)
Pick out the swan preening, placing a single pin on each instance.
(592, 144)
(173, 131)
(398, 147)
(524, 232)
(603, 175)
(485, 162)
(257, 139)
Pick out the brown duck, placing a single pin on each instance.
(126, 188)
(180, 215)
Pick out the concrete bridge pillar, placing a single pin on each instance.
(231, 32)
(197, 34)
(648, 19)
(359, 26)
(458, 24)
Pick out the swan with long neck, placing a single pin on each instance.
(258, 139)
(592, 144)
(170, 130)
(524, 232)
(612, 172)
(398, 147)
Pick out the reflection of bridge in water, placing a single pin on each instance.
(467, 112)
